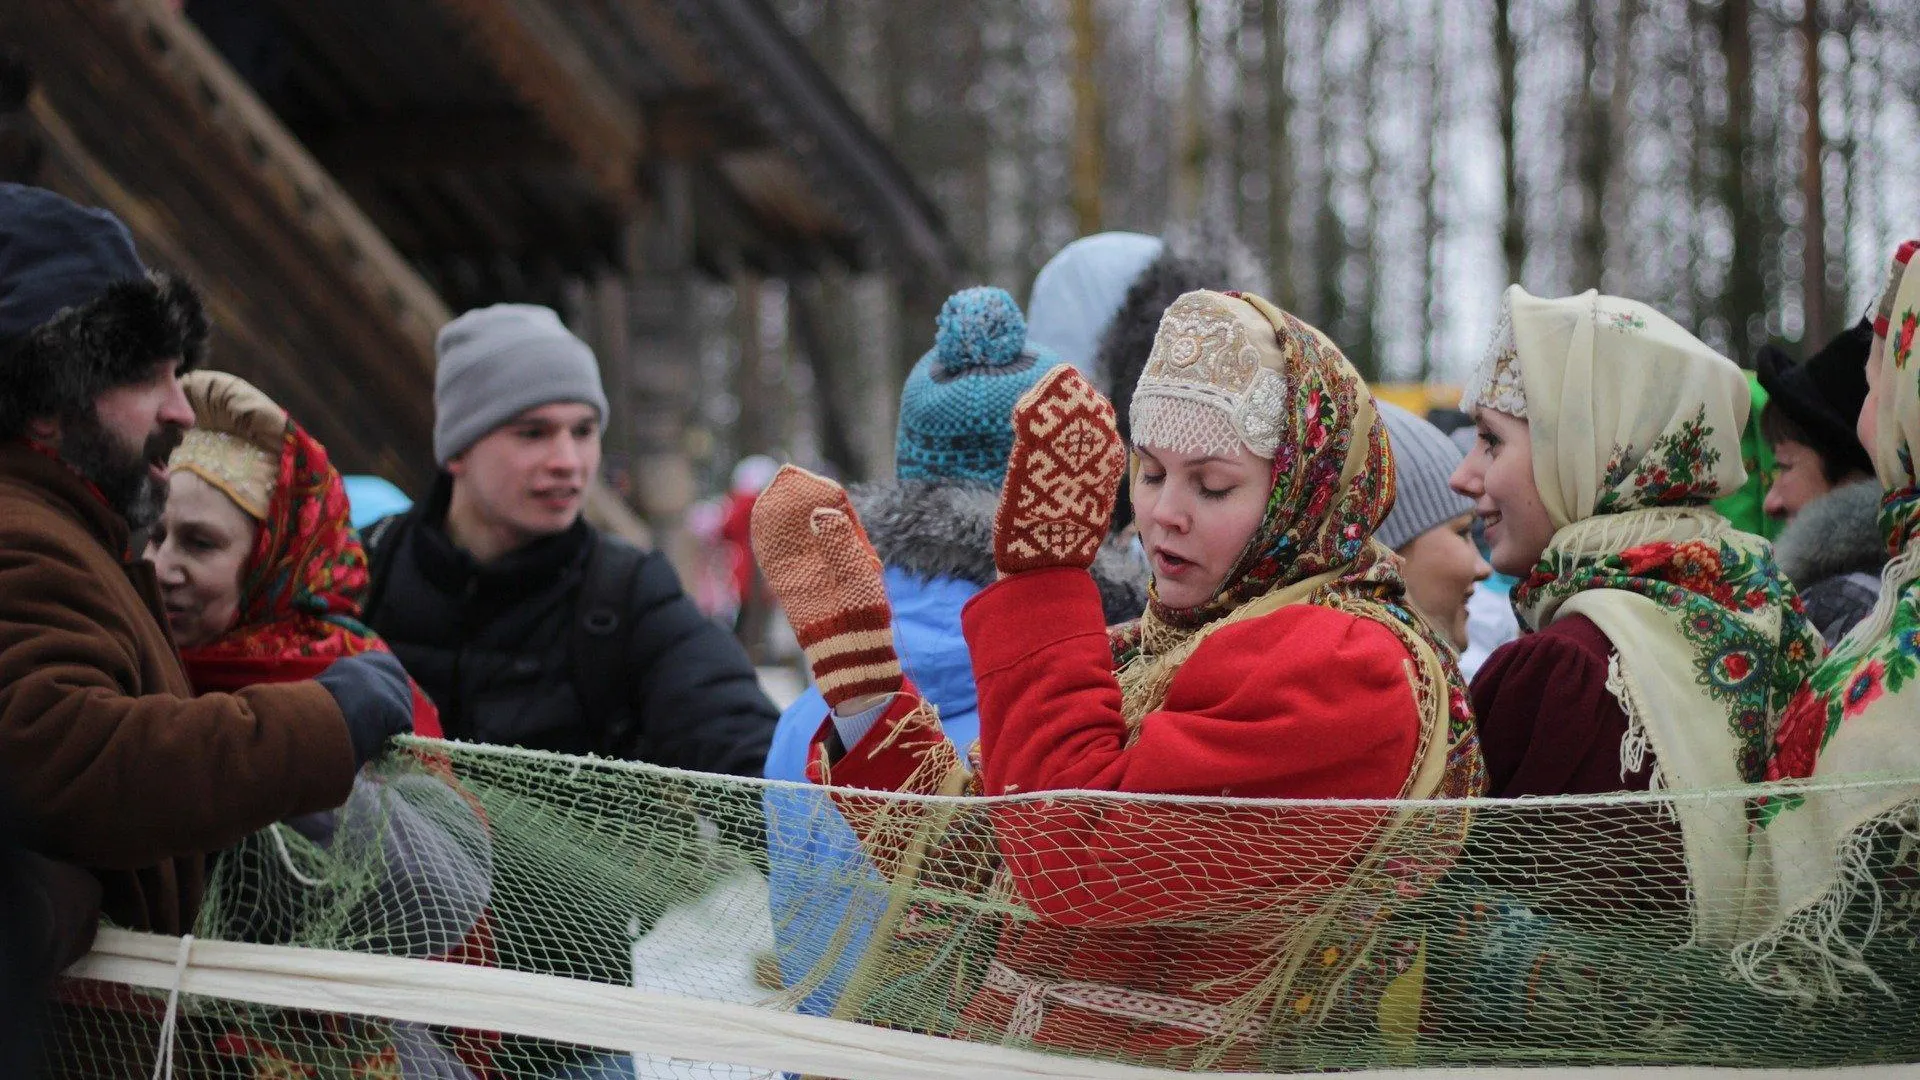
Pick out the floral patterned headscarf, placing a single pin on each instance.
(1635, 426)
(1858, 716)
(1230, 370)
(300, 592)
(1262, 379)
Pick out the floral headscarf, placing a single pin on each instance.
(1230, 369)
(1635, 426)
(306, 572)
(1858, 716)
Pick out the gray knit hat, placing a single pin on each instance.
(1423, 459)
(496, 363)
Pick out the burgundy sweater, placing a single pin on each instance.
(1549, 726)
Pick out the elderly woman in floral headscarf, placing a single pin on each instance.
(262, 574)
(1665, 644)
(1277, 658)
(1846, 860)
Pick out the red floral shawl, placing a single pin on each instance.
(300, 593)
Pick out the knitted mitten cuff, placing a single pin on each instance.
(819, 563)
(1062, 476)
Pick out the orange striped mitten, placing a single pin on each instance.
(1062, 476)
(818, 561)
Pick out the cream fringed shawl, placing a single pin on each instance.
(1845, 856)
(1635, 427)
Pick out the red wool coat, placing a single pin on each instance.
(1305, 702)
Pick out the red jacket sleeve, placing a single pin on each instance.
(906, 752)
(1304, 703)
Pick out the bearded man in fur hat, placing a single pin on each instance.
(109, 760)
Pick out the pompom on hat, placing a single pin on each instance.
(957, 407)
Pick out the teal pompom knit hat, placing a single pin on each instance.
(956, 413)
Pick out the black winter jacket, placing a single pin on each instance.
(492, 645)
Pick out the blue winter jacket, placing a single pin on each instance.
(819, 876)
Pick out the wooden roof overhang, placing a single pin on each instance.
(503, 144)
(385, 155)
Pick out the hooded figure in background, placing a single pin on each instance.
(1098, 302)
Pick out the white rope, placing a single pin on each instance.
(286, 857)
(687, 1028)
(426, 991)
(163, 1060)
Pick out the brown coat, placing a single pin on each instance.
(110, 759)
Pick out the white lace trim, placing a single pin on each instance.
(1206, 388)
(1496, 383)
(1183, 425)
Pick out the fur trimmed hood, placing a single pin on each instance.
(938, 529)
(1838, 533)
(64, 363)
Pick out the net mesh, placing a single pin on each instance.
(1171, 933)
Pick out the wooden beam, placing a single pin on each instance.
(288, 173)
(451, 142)
(320, 307)
(307, 296)
(702, 125)
(548, 72)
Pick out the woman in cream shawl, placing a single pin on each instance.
(1665, 644)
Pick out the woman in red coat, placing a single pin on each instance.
(1277, 659)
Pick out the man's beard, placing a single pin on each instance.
(120, 471)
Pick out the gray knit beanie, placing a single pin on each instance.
(1423, 459)
(496, 363)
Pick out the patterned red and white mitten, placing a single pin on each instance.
(818, 561)
(1062, 476)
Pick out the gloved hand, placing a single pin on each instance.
(818, 561)
(374, 695)
(1062, 476)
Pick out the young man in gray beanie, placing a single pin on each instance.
(524, 624)
(1431, 525)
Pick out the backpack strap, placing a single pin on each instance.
(382, 541)
(597, 653)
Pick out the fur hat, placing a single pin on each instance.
(79, 315)
(956, 411)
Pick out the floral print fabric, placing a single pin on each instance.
(1635, 426)
(300, 593)
(1714, 588)
(1843, 851)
